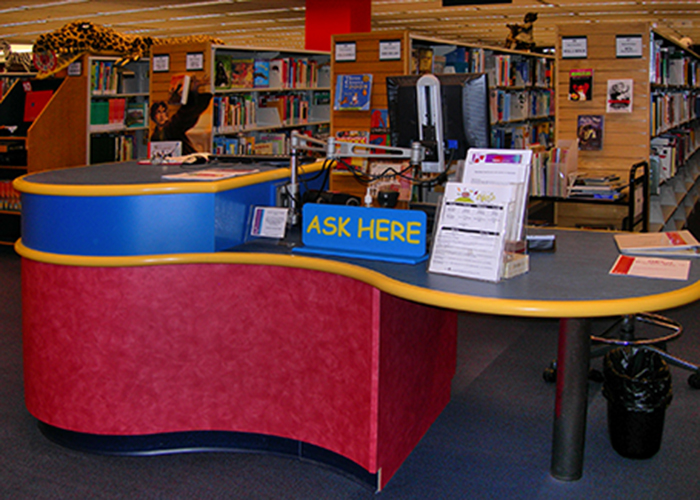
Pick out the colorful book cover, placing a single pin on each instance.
(222, 71)
(590, 132)
(353, 92)
(619, 98)
(261, 73)
(580, 84)
(242, 71)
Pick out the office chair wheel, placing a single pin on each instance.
(550, 373)
(694, 380)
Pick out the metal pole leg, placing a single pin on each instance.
(573, 359)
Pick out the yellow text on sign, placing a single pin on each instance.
(373, 229)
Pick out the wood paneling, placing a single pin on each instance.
(625, 135)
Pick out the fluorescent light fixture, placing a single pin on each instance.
(196, 16)
(41, 6)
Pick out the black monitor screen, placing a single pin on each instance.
(465, 111)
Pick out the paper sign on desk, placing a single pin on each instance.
(651, 267)
(498, 166)
(470, 232)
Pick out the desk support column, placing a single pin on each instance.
(573, 361)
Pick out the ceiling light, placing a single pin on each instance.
(41, 6)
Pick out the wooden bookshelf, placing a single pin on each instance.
(628, 137)
(416, 54)
(252, 111)
(54, 138)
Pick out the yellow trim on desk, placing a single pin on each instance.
(447, 300)
(23, 185)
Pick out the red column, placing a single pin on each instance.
(329, 17)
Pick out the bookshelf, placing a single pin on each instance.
(520, 83)
(258, 95)
(261, 95)
(661, 127)
(41, 128)
(117, 110)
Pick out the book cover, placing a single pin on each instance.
(590, 132)
(135, 114)
(179, 89)
(261, 73)
(277, 77)
(580, 84)
(242, 71)
(619, 98)
(354, 136)
(353, 92)
(222, 71)
(663, 244)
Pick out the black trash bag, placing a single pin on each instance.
(637, 385)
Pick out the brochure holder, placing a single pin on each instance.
(480, 228)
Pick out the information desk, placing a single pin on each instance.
(347, 361)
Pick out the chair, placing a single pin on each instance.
(626, 326)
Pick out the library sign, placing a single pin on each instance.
(369, 233)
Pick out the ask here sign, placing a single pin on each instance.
(376, 233)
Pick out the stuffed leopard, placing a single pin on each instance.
(56, 50)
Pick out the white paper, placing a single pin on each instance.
(470, 233)
(269, 222)
(495, 166)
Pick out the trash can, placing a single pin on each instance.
(637, 385)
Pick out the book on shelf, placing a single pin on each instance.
(222, 71)
(136, 114)
(117, 111)
(261, 73)
(242, 71)
(662, 244)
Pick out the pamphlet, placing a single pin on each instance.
(209, 174)
(664, 244)
(651, 267)
(470, 232)
(497, 166)
(269, 222)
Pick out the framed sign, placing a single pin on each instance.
(628, 46)
(345, 52)
(390, 50)
(75, 68)
(574, 47)
(194, 61)
(161, 63)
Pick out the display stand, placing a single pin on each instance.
(480, 230)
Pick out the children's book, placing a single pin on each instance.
(353, 92)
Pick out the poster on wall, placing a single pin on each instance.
(182, 112)
(619, 97)
(580, 85)
(589, 130)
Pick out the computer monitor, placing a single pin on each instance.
(465, 111)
